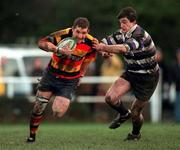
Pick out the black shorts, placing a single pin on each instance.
(59, 86)
(143, 85)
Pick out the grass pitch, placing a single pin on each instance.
(85, 136)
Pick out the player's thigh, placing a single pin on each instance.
(118, 89)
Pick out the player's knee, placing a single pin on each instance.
(110, 99)
(59, 110)
(40, 105)
(57, 114)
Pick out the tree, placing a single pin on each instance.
(35, 18)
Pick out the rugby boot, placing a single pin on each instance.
(119, 120)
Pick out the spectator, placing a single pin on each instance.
(166, 79)
(113, 66)
(2, 86)
(176, 80)
(36, 72)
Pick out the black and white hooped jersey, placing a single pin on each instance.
(140, 55)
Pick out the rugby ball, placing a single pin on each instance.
(69, 42)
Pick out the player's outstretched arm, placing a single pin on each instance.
(45, 45)
(118, 48)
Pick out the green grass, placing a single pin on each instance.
(90, 137)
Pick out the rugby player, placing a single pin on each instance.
(62, 75)
(141, 73)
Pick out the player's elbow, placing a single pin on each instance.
(40, 44)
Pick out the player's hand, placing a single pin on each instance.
(106, 55)
(96, 45)
(64, 51)
(95, 41)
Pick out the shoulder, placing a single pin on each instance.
(88, 40)
(114, 38)
(139, 32)
(89, 37)
(62, 32)
(117, 36)
(57, 36)
(117, 32)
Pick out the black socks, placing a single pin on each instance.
(119, 107)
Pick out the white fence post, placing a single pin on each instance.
(156, 103)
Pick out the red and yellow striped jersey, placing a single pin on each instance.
(69, 67)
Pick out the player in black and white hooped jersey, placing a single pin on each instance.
(141, 73)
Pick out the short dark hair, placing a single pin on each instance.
(128, 12)
(81, 22)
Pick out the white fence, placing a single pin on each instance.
(155, 102)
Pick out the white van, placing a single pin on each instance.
(16, 65)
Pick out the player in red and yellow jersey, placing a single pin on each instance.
(70, 67)
(63, 72)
